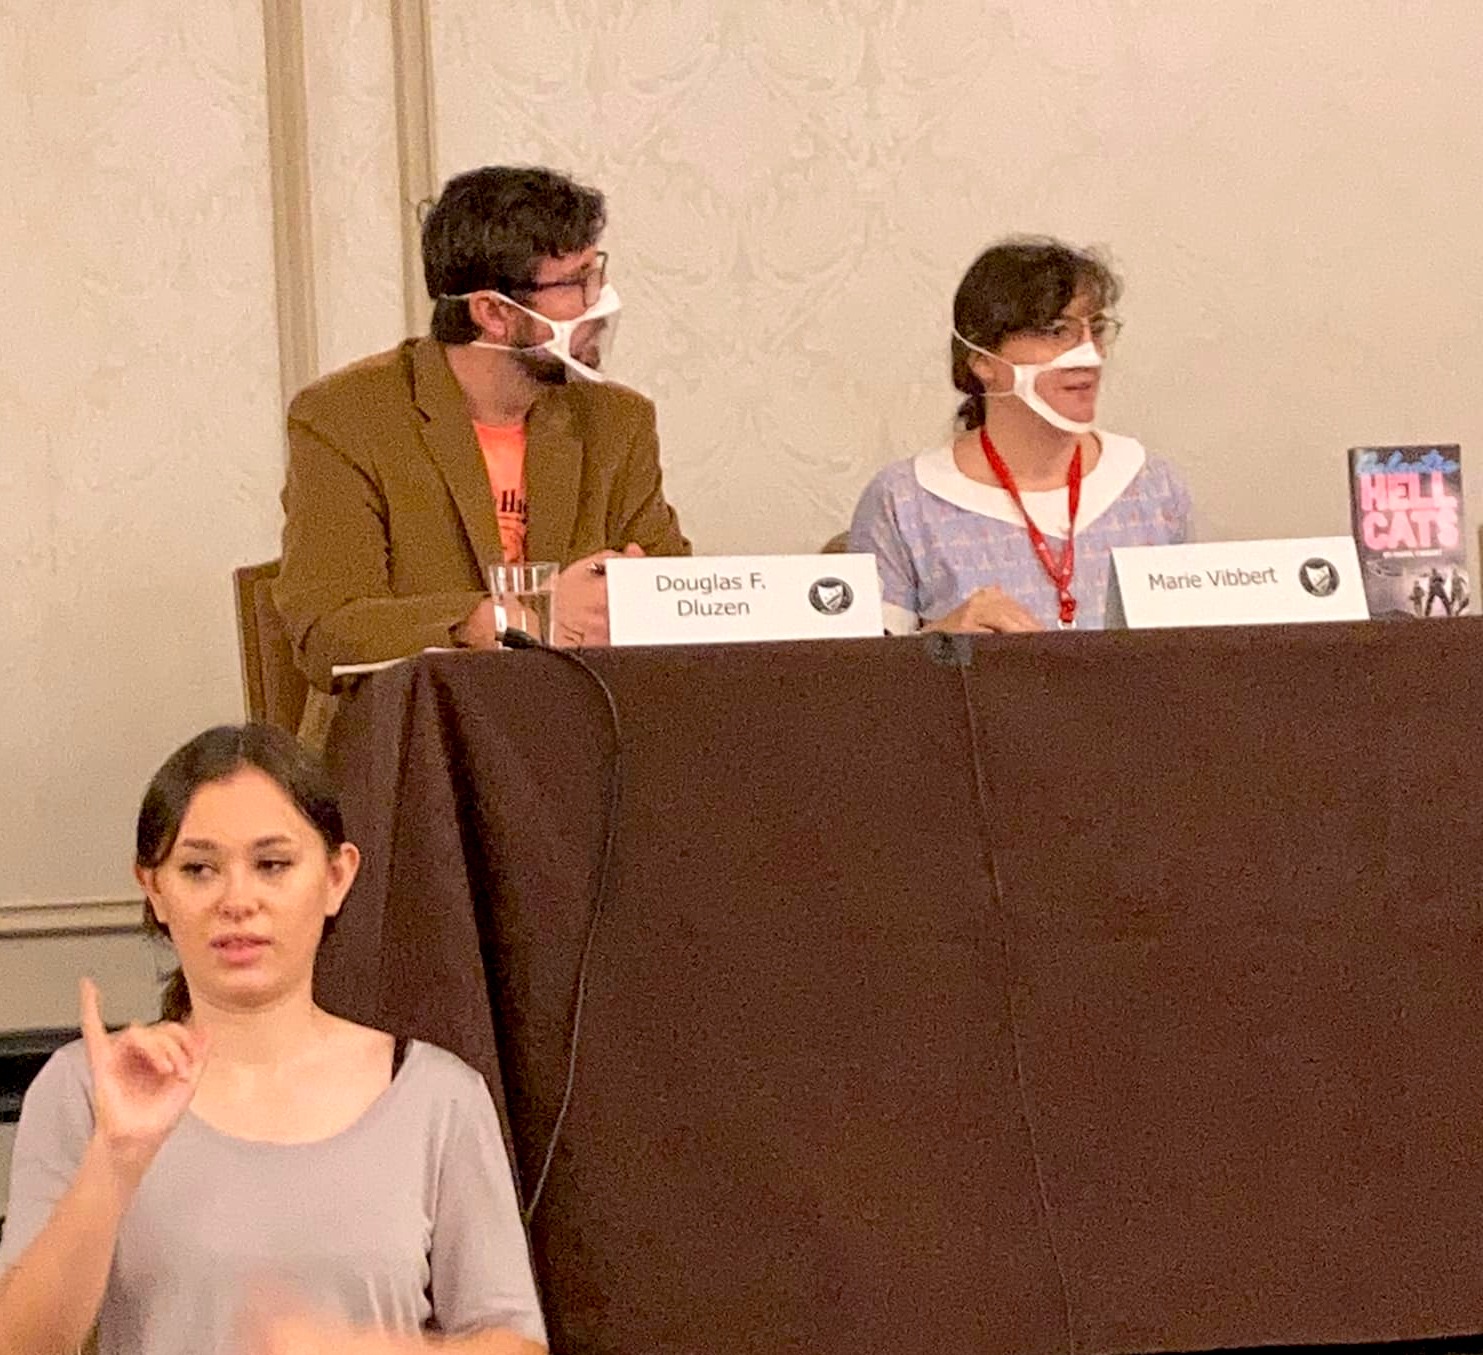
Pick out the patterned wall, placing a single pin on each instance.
(351, 109)
(139, 443)
(797, 187)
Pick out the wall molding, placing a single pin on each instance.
(288, 171)
(46, 917)
(412, 77)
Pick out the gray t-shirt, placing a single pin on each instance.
(406, 1220)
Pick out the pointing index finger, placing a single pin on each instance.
(94, 1034)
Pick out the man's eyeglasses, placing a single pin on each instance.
(1067, 330)
(591, 282)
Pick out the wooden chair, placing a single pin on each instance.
(837, 545)
(273, 688)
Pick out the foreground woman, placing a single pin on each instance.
(254, 1174)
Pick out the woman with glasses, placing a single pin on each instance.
(1011, 525)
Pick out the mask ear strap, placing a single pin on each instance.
(972, 347)
(968, 343)
(524, 310)
(467, 297)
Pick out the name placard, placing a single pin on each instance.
(1237, 583)
(727, 598)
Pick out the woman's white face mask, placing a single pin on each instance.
(555, 336)
(1027, 373)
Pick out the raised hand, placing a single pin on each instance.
(143, 1080)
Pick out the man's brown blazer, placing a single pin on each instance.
(389, 519)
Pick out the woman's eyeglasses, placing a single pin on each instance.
(1068, 330)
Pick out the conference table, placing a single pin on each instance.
(1100, 992)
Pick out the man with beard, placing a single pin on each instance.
(496, 437)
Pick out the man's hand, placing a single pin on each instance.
(477, 630)
(143, 1079)
(582, 599)
(987, 609)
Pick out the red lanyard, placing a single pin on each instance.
(1060, 572)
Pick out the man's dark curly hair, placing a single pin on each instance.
(490, 228)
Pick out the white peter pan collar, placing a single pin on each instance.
(1122, 458)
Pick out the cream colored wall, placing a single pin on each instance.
(139, 410)
(1290, 190)
(126, 966)
(353, 171)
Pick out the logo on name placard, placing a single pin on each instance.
(831, 596)
(1319, 577)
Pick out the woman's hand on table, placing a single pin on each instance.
(987, 609)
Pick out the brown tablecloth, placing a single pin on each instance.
(1110, 993)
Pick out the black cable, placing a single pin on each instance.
(518, 639)
(981, 786)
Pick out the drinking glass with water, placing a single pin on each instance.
(525, 598)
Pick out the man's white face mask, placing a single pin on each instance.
(555, 336)
(1027, 373)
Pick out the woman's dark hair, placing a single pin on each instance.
(214, 756)
(1020, 283)
(490, 228)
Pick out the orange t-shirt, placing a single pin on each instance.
(504, 459)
